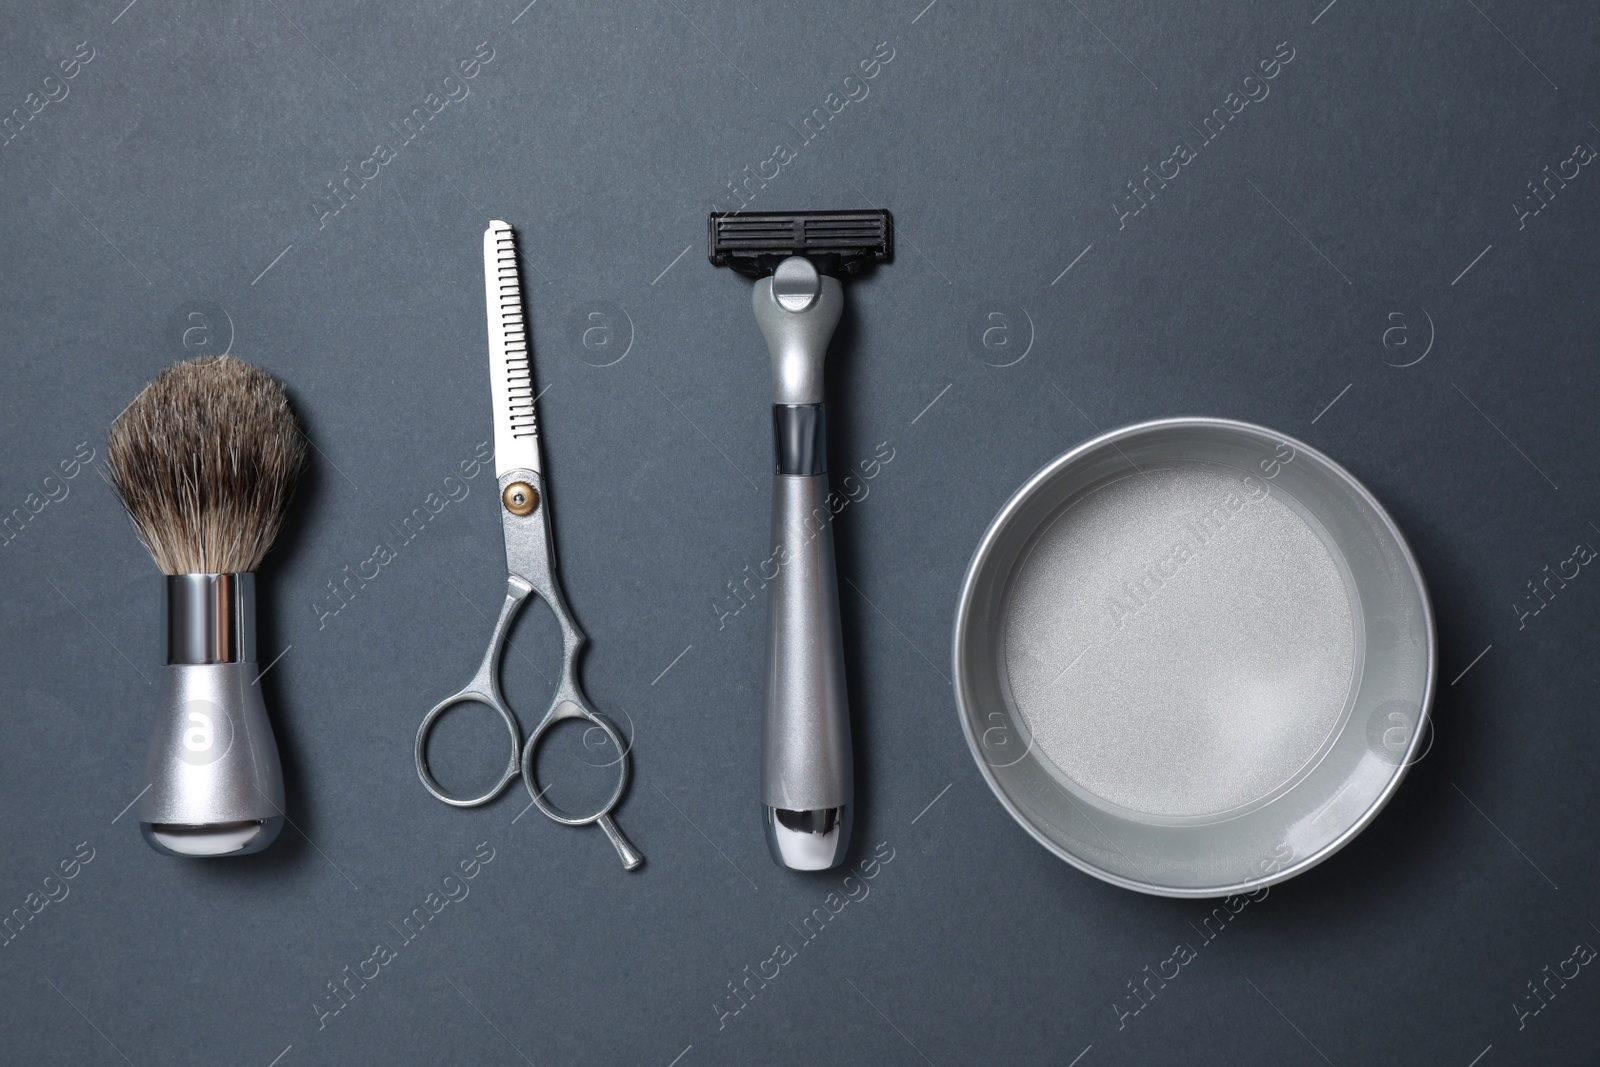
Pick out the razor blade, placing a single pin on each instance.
(836, 242)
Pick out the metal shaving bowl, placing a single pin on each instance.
(1193, 657)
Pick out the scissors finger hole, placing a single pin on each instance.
(458, 740)
(576, 765)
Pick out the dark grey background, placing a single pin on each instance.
(177, 178)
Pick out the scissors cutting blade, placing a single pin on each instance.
(516, 421)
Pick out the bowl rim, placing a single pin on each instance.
(1112, 439)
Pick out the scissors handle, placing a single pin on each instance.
(483, 689)
(571, 706)
(632, 860)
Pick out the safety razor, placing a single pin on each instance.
(807, 773)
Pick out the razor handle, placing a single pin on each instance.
(807, 771)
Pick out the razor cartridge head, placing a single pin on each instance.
(836, 242)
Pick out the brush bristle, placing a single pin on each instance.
(205, 460)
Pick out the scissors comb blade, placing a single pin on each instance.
(516, 420)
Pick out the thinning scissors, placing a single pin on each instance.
(530, 560)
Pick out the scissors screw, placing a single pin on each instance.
(520, 498)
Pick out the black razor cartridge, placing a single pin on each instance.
(836, 242)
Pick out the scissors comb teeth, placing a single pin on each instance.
(516, 420)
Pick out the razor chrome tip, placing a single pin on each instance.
(808, 840)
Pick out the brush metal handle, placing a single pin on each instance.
(216, 786)
(808, 780)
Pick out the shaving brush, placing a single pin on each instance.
(205, 460)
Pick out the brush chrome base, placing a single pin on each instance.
(217, 839)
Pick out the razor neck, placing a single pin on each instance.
(797, 310)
